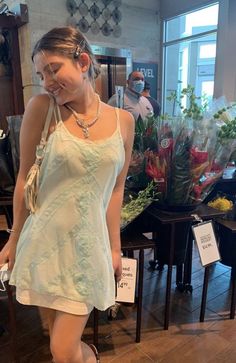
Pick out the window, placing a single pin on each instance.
(189, 52)
(207, 50)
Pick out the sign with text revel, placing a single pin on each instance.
(149, 71)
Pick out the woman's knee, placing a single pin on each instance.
(63, 355)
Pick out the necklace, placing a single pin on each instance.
(86, 125)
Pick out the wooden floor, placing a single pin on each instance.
(187, 340)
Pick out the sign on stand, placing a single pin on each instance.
(126, 286)
(206, 242)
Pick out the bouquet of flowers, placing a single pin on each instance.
(140, 189)
(134, 205)
(184, 155)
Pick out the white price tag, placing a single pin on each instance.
(126, 286)
(206, 242)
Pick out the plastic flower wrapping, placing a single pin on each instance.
(184, 155)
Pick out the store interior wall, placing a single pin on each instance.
(140, 33)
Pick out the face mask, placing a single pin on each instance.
(138, 86)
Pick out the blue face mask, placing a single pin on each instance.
(138, 86)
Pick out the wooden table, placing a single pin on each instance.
(227, 248)
(153, 214)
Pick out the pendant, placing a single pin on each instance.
(85, 132)
(80, 122)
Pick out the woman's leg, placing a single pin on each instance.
(47, 319)
(66, 345)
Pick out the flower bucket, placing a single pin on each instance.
(184, 156)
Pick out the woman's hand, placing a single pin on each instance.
(7, 254)
(117, 265)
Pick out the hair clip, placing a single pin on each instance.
(79, 49)
(77, 52)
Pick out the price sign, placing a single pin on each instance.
(119, 96)
(126, 286)
(206, 242)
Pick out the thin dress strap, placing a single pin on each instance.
(117, 110)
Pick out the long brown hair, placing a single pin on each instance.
(69, 42)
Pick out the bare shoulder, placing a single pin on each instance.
(37, 107)
(127, 122)
(127, 118)
(34, 118)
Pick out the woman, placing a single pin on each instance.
(68, 249)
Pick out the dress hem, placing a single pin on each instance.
(29, 297)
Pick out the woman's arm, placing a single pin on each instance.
(115, 204)
(30, 134)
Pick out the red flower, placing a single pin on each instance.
(149, 131)
(198, 157)
(152, 171)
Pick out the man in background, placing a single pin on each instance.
(134, 102)
(155, 105)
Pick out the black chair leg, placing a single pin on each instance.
(233, 293)
(179, 274)
(204, 294)
(12, 320)
(140, 296)
(95, 327)
(8, 211)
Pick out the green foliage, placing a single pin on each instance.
(147, 126)
(137, 204)
(228, 130)
(193, 110)
(146, 133)
(180, 178)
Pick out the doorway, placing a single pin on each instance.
(115, 68)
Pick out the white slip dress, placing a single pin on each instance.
(63, 258)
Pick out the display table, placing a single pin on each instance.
(158, 218)
(227, 248)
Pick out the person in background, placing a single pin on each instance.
(65, 255)
(155, 105)
(134, 102)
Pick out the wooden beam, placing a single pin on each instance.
(18, 97)
(7, 21)
(20, 18)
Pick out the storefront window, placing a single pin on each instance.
(189, 53)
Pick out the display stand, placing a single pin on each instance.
(227, 248)
(158, 218)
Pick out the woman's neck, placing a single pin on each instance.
(86, 104)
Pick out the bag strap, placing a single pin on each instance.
(47, 122)
(57, 114)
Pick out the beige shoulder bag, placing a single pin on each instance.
(32, 179)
